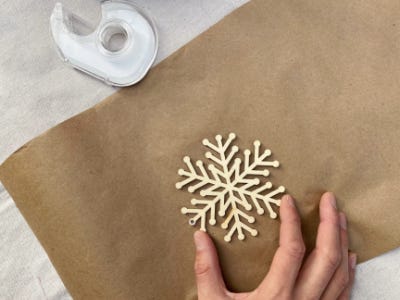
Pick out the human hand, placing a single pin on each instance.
(327, 273)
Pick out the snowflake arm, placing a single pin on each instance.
(197, 179)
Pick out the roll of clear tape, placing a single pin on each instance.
(119, 51)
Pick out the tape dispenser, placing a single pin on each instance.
(119, 51)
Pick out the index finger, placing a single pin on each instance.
(325, 258)
(289, 256)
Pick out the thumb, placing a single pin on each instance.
(210, 284)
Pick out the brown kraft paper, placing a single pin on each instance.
(317, 82)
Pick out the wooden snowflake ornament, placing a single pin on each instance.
(231, 186)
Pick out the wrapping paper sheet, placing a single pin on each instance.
(315, 82)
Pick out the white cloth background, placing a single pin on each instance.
(37, 92)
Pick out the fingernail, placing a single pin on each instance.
(343, 221)
(288, 199)
(198, 240)
(353, 260)
(331, 199)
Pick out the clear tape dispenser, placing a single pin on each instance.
(119, 51)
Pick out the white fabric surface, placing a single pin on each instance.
(37, 92)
